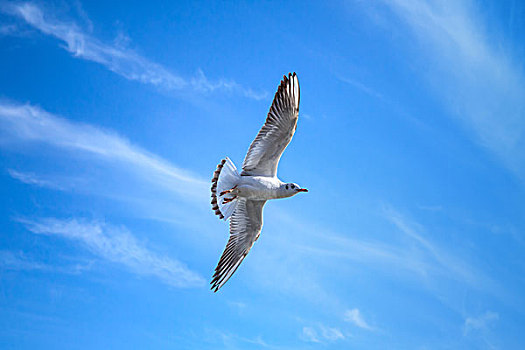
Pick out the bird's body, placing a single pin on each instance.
(261, 188)
(241, 197)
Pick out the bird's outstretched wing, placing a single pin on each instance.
(266, 150)
(245, 227)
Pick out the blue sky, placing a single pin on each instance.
(411, 141)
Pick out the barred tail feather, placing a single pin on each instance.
(224, 178)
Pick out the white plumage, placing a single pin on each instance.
(241, 197)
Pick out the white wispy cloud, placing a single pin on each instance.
(354, 316)
(321, 333)
(33, 179)
(120, 60)
(18, 261)
(421, 258)
(310, 334)
(370, 253)
(313, 249)
(118, 245)
(238, 306)
(331, 333)
(474, 72)
(359, 85)
(31, 124)
(8, 29)
(231, 340)
(438, 259)
(481, 322)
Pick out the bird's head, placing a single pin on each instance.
(292, 189)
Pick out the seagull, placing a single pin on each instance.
(241, 197)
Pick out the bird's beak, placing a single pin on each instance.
(302, 190)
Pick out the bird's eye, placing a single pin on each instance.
(286, 186)
(293, 186)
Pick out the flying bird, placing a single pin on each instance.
(241, 197)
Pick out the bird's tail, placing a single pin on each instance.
(225, 178)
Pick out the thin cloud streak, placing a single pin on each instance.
(442, 262)
(368, 252)
(122, 61)
(311, 250)
(310, 334)
(32, 124)
(331, 333)
(479, 81)
(159, 207)
(354, 316)
(480, 323)
(118, 245)
(321, 334)
(367, 90)
(8, 29)
(421, 258)
(18, 261)
(33, 179)
(234, 341)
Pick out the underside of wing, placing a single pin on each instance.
(269, 144)
(245, 227)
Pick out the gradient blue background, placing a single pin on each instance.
(411, 140)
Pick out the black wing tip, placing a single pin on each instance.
(214, 288)
(215, 285)
(288, 77)
(291, 77)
